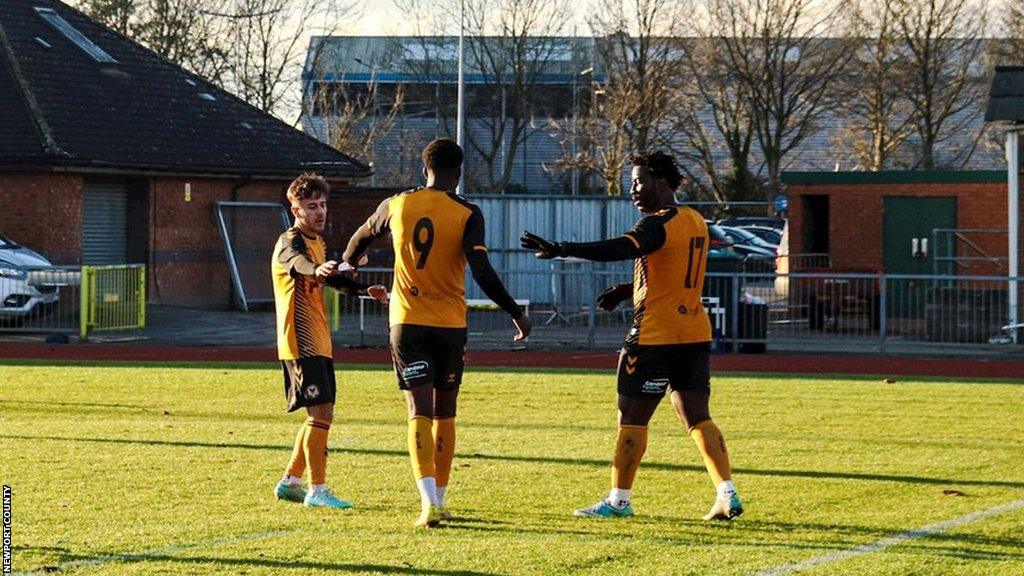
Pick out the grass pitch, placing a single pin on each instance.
(169, 470)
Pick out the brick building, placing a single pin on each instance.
(110, 154)
(901, 222)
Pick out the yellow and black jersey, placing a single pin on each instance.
(302, 329)
(670, 251)
(434, 234)
(668, 280)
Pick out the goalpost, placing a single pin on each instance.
(249, 231)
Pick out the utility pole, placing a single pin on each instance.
(460, 103)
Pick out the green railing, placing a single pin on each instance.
(113, 298)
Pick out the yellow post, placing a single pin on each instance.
(141, 271)
(83, 313)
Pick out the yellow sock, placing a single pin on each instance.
(630, 445)
(711, 444)
(316, 449)
(444, 449)
(297, 466)
(421, 447)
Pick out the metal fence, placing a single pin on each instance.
(750, 311)
(72, 299)
(113, 298)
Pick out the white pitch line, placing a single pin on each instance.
(166, 551)
(895, 540)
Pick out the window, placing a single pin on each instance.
(79, 39)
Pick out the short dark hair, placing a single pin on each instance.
(307, 185)
(442, 154)
(660, 164)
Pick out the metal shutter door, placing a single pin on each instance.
(104, 225)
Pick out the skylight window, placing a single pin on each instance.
(72, 33)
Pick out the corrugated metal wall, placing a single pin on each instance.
(570, 219)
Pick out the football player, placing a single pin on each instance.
(434, 233)
(300, 270)
(667, 348)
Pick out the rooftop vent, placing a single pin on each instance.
(72, 34)
(43, 43)
(207, 96)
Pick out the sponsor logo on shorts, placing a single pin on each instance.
(452, 377)
(656, 386)
(415, 370)
(312, 391)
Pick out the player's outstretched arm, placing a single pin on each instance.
(646, 237)
(489, 281)
(377, 225)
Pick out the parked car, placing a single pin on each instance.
(768, 234)
(757, 258)
(24, 290)
(748, 243)
(769, 221)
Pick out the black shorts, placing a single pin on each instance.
(428, 355)
(308, 382)
(648, 371)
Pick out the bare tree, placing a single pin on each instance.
(598, 142)
(941, 40)
(267, 44)
(188, 33)
(787, 56)
(878, 116)
(116, 14)
(509, 44)
(715, 122)
(1012, 28)
(635, 101)
(355, 119)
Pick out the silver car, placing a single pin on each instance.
(27, 287)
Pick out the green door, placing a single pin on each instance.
(908, 248)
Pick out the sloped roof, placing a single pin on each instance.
(62, 108)
(1006, 96)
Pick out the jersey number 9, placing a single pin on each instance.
(423, 240)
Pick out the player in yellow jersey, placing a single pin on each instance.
(668, 345)
(435, 233)
(300, 270)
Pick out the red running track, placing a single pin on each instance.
(763, 363)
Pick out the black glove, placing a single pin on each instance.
(541, 248)
(611, 297)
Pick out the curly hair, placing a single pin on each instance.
(442, 154)
(661, 165)
(307, 185)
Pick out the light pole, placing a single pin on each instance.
(459, 117)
